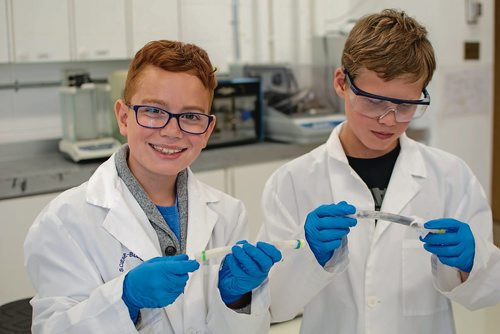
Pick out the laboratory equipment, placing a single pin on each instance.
(86, 121)
(291, 113)
(237, 106)
(208, 254)
(116, 81)
(326, 58)
(413, 222)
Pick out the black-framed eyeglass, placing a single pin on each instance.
(152, 117)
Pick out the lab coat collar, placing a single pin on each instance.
(129, 225)
(410, 157)
(334, 146)
(125, 221)
(405, 183)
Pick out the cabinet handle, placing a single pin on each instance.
(83, 53)
(102, 52)
(44, 55)
(23, 56)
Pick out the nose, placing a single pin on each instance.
(171, 129)
(389, 117)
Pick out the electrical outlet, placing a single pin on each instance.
(471, 50)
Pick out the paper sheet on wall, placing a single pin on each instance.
(467, 90)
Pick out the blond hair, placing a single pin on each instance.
(392, 44)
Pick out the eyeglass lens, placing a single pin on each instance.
(151, 117)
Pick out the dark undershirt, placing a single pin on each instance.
(376, 173)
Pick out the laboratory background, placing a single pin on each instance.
(63, 63)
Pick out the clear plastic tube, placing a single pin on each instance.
(208, 254)
(413, 222)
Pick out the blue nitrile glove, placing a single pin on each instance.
(455, 247)
(326, 226)
(245, 268)
(156, 283)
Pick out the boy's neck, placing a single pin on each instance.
(161, 190)
(162, 194)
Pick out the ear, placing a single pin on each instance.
(339, 83)
(210, 129)
(121, 114)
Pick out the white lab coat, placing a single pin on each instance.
(79, 249)
(381, 280)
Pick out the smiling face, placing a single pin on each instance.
(365, 137)
(159, 154)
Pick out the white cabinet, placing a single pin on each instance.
(100, 29)
(17, 216)
(208, 24)
(215, 178)
(154, 20)
(4, 41)
(247, 185)
(41, 30)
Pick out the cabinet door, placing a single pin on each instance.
(215, 178)
(285, 31)
(159, 19)
(248, 184)
(41, 30)
(100, 29)
(17, 216)
(4, 42)
(208, 24)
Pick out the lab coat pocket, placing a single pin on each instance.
(419, 295)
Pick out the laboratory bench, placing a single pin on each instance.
(30, 168)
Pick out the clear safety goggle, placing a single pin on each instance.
(377, 106)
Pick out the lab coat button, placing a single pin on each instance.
(192, 331)
(170, 250)
(372, 301)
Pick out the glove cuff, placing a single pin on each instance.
(132, 309)
(228, 298)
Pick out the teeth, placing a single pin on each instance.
(166, 150)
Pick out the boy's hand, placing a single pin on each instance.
(156, 283)
(455, 247)
(326, 226)
(245, 269)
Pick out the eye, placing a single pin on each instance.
(191, 117)
(152, 110)
(406, 108)
(375, 102)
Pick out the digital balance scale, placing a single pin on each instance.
(89, 149)
(86, 119)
